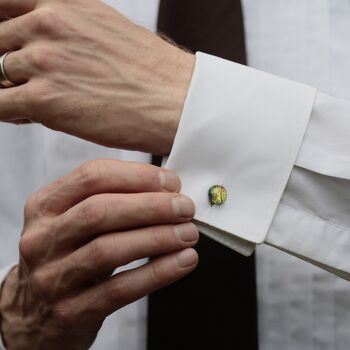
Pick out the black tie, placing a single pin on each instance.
(214, 307)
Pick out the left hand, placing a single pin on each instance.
(84, 69)
(76, 232)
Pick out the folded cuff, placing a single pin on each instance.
(242, 129)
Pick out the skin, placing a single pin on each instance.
(78, 230)
(84, 69)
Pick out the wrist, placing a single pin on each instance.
(181, 66)
(7, 295)
(21, 313)
(162, 91)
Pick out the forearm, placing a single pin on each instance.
(161, 99)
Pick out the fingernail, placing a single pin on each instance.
(187, 232)
(169, 181)
(187, 258)
(183, 207)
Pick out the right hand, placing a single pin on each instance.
(86, 70)
(77, 231)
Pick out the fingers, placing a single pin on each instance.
(98, 215)
(108, 252)
(24, 36)
(19, 121)
(13, 103)
(102, 300)
(13, 8)
(106, 176)
(13, 36)
(16, 69)
(117, 212)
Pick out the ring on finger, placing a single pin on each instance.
(4, 81)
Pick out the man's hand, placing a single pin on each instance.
(88, 71)
(77, 231)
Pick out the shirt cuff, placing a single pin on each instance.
(312, 239)
(3, 274)
(312, 219)
(241, 129)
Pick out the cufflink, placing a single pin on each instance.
(217, 195)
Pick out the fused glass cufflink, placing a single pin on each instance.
(217, 195)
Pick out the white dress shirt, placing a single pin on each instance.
(279, 147)
(300, 306)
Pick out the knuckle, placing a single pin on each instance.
(155, 208)
(27, 246)
(42, 57)
(38, 243)
(99, 253)
(162, 238)
(20, 100)
(120, 290)
(153, 205)
(37, 204)
(88, 174)
(147, 174)
(159, 206)
(64, 314)
(92, 214)
(34, 98)
(46, 20)
(158, 273)
(41, 94)
(41, 283)
(30, 208)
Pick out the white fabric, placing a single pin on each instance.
(300, 306)
(248, 129)
(244, 140)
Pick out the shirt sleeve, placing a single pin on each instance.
(279, 149)
(3, 274)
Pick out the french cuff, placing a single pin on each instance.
(332, 255)
(241, 129)
(3, 274)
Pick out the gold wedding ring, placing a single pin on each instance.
(4, 81)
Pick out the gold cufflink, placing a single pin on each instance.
(217, 195)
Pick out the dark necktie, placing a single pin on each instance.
(214, 307)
